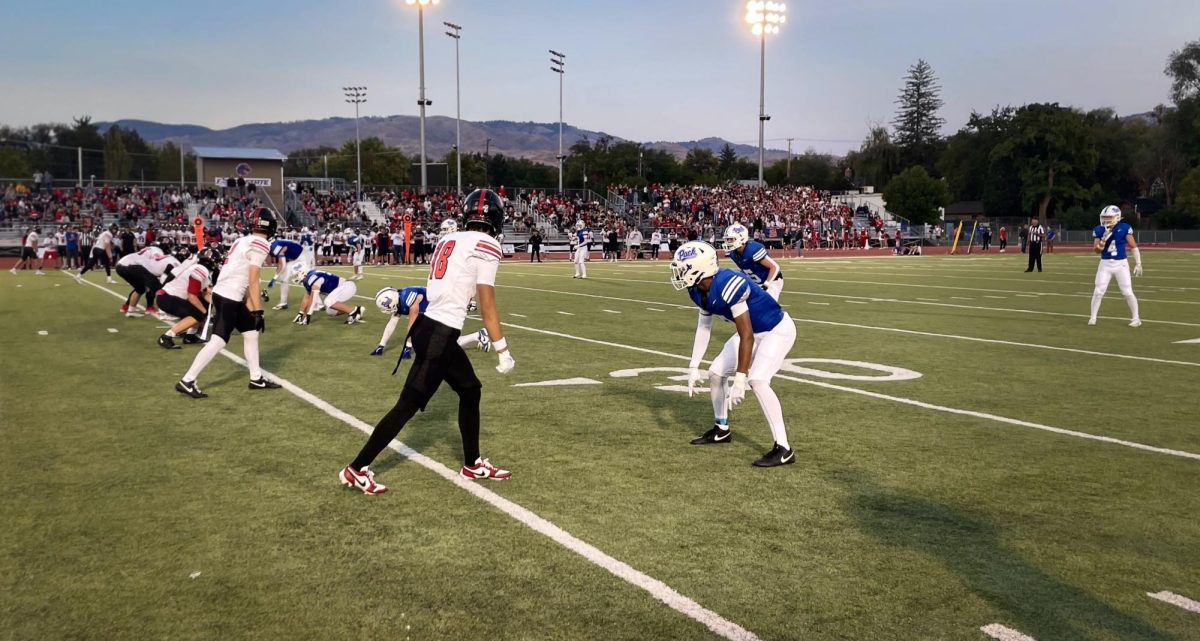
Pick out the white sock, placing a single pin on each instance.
(170, 333)
(772, 410)
(716, 390)
(470, 340)
(1131, 300)
(389, 329)
(204, 357)
(250, 349)
(582, 270)
(283, 291)
(1097, 297)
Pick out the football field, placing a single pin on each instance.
(973, 461)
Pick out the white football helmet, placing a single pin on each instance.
(1110, 216)
(297, 271)
(579, 225)
(388, 300)
(305, 231)
(736, 237)
(348, 232)
(693, 261)
(449, 226)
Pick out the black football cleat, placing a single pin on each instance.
(264, 383)
(714, 436)
(777, 456)
(166, 342)
(191, 339)
(191, 389)
(355, 316)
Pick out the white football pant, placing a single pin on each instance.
(581, 255)
(344, 292)
(770, 350)
(775, 288)
(1108, 270)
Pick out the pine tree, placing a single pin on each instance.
(918, 127)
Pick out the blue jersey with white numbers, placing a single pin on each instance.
(306, 239)
(729, 288)
(357, 242)
(1114, 249)
(328, 282)
(581, 236)
(287, 249)
(408, 296)
(748, 259)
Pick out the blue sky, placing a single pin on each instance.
(644, 70)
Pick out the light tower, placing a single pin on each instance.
(357, 96)
(764, 17)
(557, 63)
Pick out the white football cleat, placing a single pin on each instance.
(1091, 321)
(1137, 322)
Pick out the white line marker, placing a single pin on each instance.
(43, 333)
(614, 566)
(1175, 599)
(610, 311)
(996, 297)
(566, 313)
(112, 330)
(897, 399)
(932, 300)
(561, 381)
(997, 631)
(813, 302)
(859, 302)
(1028, 295)
(655, 309)
(518, 315)
(1190, 341)
(961, 298)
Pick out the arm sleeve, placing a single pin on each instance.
(256, 257)
(703, 333)
(485, 270)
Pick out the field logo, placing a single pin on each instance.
(890, 373)
(243, 169)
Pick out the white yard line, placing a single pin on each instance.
(894, 399)
(655, 309)
(657, 589)
(518, 315)
(1002, 633)
(610, 311)
(566, 313)
(1177, 600)
(859, 302)
(813, 302)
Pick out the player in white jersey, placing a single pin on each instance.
(236, 304)
(1112, 238)
(101, 250)
(187, 296)
(464, 264)
(357, 245)
(143, 271)
(29, 252)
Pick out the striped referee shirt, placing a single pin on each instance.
(1036, 234)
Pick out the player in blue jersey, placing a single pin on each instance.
(752, 356)
(409, 303)
(356, 244)
(283, 251)
(1113, 239)
(336, 290)
(751, 257)
(582, 240)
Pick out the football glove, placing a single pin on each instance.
(265, 298)
(695, 378)
(507, 362)
(260, 323)
(406, 354)
(1137, 269)
(737, 391)
(378, 351)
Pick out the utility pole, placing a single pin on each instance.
(557, 66)
(789, 162)
(357, 96)
(457, 105)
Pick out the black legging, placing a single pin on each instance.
(100, 255)
(535, 251)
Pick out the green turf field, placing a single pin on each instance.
(1038, 473)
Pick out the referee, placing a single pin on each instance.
(1036, 234)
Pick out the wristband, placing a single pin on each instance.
(500, 345)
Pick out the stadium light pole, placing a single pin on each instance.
(357, 95)
(558, 61)
(421, 101)
(457, 106)
(764, 17)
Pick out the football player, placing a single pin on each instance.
(187, 298)
(283, 251)
(337, 291)
(409, 303)
(357, 245)
(751, 257)
(236, 305)
(144, 271)
(752, 356)
(1113, 239)
(101, 249)
(581, 249)
(464, 264)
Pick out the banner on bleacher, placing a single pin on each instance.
(257, 182)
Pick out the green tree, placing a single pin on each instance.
(966, 162)
(117, 162)
(808, 168)
(168, 162)
(1053, 153)
(1189, 193)
(700, 166)
(917, 124)
(876, 161)
(13, 164)
(1183, 67)
(382, 165)
(915, 195)
(727, 163)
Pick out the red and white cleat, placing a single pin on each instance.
(363, 479)
(124, 308)
(483, 469)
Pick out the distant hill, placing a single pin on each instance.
(534, 140)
